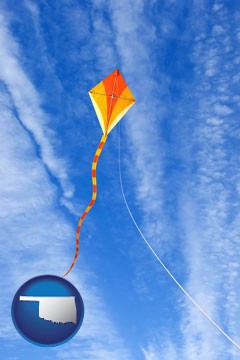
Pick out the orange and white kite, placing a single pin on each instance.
(111, 99)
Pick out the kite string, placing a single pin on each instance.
(160, 261)
(93, 199)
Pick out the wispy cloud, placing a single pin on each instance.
(27, 104)
(165, 350)
(209, 216)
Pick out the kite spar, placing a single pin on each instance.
(111, 99)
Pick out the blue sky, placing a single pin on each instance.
(180, 168)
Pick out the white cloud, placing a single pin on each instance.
(207, 207)
(222, 109)
(217, 7)
(27, 102)
(164, 351)
(32, 7)
(217, 30)
(215, 121)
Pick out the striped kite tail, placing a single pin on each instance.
(93, 199)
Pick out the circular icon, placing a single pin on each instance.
(47, 310)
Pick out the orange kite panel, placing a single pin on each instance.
(111, 99)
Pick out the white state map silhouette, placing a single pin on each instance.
(59, 309)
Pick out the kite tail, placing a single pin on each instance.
(93, 199)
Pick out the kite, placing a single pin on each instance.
(111, 99)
